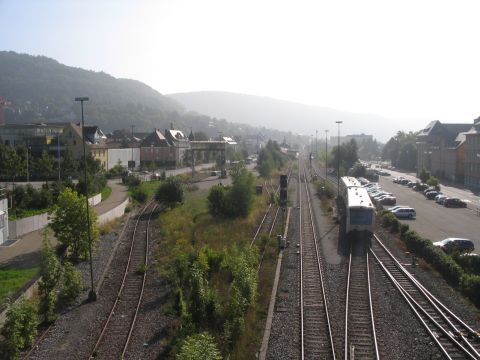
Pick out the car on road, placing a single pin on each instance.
(411, 184)
(451, 245)
(420, 187)
(454, 202)
(397, 179)
(405, 213)
(404, 181)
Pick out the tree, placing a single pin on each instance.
(50, 272)
(69, 166)
(20, 328)
(70, 224)
(44, 165)
(170, 192)
(216, 200)
(348, 156)
(401, 150)
(199, 347)
(358, 170)
(424, 175)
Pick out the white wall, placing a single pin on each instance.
(124, 155)
(4, 220)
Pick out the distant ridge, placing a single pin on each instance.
(283, 115)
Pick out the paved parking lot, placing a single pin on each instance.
(435, 221)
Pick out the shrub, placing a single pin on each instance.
(470, 286)
(325, 188)
(72, 284)
(403, 229)
(395, 226)
(132, 181)
(140, 194)
(170, 192)
(216, 200)
(20, 328)
(387, 219)
(470, 264)
(199, 347)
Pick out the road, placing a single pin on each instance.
(435, 221)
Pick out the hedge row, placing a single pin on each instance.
(462, 272)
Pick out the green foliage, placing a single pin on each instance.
(235, 201)
(96, 183)
(270, 158)
(71, 284)
(216, 200)
(50, 272)
(12, 280)
(44, 165)
(199, 347)
(140, 194)
(20, 329)
(69, 224)
(132, 181)
(116, 171)
(470, 286)
(424, 175)
(401, 150)
(348, 156)
(470, 264)
(433, 181)
(358, 170)
(170, 192)
(106, 192)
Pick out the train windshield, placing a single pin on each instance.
(361, 216)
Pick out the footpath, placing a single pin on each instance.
(25, 251)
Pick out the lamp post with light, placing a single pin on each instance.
(92, 295)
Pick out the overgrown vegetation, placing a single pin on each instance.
(212, 270)
(236, 200)
(325, 189)
(270, 158)
(401, 150)
(459, 271)
(170, 192)
(348, 156)
(20, 329)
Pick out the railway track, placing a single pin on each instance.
(115, 336)
(316, 332)
(453, 336)
(360, 335)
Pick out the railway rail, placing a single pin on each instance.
(360, 335)
(114, 338)
(315, 327)
(455, 338)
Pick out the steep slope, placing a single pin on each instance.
(40, 87)
(282, 115)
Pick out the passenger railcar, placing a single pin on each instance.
(359, 210)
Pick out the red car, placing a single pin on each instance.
(454, 202)
(388, 200)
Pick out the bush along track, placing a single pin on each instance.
(461, 272)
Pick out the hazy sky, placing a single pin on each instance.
(401, 59)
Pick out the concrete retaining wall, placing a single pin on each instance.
(96, 199)
(116, 212)
(27, 292)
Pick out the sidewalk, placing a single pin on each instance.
(25, 252)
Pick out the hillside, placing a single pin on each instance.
(39, 87)
(283, 115)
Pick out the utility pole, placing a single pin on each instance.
(133, 161)
(92, 295)
(58, 155)
(28, 174)
(326, 154)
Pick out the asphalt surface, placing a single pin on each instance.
(435, 221)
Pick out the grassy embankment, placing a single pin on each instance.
(106, 191)
(190, 227)
(13, 279)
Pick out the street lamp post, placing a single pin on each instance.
(92, 295)
(338, 158)
(326, 154)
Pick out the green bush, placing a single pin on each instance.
(72, 284)
(403, 229)
(20, 329)
(470, 286)
(325, 188)
(395, 226)
(140, 194)
(170, 192)
(387, 219)
(216, 200)
(470, 264)
(199, 347)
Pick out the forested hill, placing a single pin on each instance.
(41, 88)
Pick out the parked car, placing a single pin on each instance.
(397, 207)
(404, 181)
(420, 187)
(428, 189)
(451, 245)
(440, 198)
(411, 184)
(405, 213)
(388, 200)
(454, 202)
(432, 194)
(383, 173)
(397, 179)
